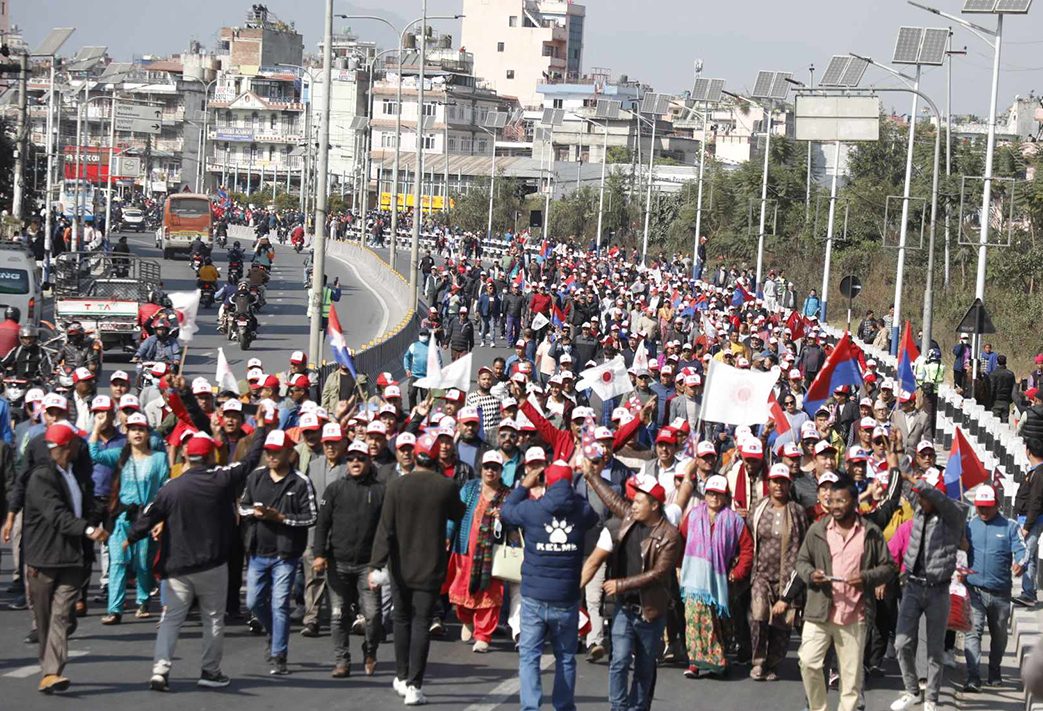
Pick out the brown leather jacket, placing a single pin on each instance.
(660, 553)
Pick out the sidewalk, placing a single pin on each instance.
(1025, 634)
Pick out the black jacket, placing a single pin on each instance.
(348, 518)
(410, 539)
(1033, 423)
(1001, 385)
(294, 499)
(1028, 502)
(198, 509)
(53, 536)
(460, 335)
(35, 454)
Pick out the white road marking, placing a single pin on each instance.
(505, 691)
(33, 669)
(383, 303)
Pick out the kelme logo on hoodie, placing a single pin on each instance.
(558, 538)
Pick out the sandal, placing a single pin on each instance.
(757, 673)
(771, 676)
(112, 619)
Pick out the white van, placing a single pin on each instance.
(20, 282)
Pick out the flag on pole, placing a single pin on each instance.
(963, 470)
(795, 323)
(907, 355)
(455, 375)
(225, 377)
(641, 357)
(736, 396)
(841, 368)
(608, 380)
(335, 336)
(538, 322)
(186, 304)
(782, 425)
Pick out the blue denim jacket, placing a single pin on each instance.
(994, 547)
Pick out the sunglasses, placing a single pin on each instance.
(356, 458)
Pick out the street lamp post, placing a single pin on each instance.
(319, 250)
(494, 121)
(201, 163)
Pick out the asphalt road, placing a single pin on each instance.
(283, 322)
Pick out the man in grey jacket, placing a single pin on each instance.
(930, 561)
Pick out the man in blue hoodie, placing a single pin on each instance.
(553, 528)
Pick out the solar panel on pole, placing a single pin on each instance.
(115, 69)
(932, 51)
(907, 47)
(762, 89)
(495, 119)
(713, 94)
(648, 101)
(779, 86)
(835, 70)
(661, 104)
(53, 41)
(607, 109)
(985, 6)
(542, 134)
(1019, 7)
(856, 67)
(699, 90)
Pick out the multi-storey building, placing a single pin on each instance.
(520, 44)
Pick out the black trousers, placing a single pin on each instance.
(412, 614)
(883, 628)
(236, 557)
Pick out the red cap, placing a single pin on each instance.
(427, 446)
(646, 484)
(1031, 393)
(558, 471)
(300, 381)
(59, 434)
(200, 445)
(270, 381)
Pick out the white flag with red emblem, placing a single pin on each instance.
(641, 357)
(186, 304)
(737, 396)
(608, 380)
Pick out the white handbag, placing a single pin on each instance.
(507, 562)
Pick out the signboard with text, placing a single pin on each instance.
(243, 134)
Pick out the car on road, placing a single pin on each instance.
(19, 282)
(134, 219)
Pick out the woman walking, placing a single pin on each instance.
(140, 472)
(718, 552)
(472, 589)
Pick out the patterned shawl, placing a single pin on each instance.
(708, 554)
(482, 555)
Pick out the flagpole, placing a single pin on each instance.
(181, 365)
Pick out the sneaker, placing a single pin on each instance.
(973, 686)
(905, 701)
(400, 686)
(437, 629)
(994, 681)
(466, 633)
(277, 667)
(255, 626)
(875, 671)
(19, 603)
(52, 683)
(480, 647)
(834, 677)
(158, 682)
(691, 672)
(213, 680)
(1024, 600)
(949, 660)
(595, 653)
(415, 696)
(341, 671)
(930, 706)
(32, 638)
(102, 596)
(757, 673)
(359, 625)
(310, 630)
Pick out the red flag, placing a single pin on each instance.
(782, 425)
(963, 470)
(795, 323)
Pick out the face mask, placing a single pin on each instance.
(425, 339)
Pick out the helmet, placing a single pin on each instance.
(235, 244)
(27, 332)
(75, 328)
(11, 313)
(934, 355)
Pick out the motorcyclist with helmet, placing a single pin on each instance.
(28, 360)
(243, 303)
(235, 262)
(161, 346)
(9, 330)
(200, 247)
(79, 350)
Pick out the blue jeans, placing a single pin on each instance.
(633, 639)
(1028, 578)
(994, 610)
(269, 587)
(561, 622)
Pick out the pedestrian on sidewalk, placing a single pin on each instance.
(410, 544)
(61, 524)
(193, 518)
(996, 553)
(1028, 508)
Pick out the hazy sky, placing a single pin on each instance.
(655, 41)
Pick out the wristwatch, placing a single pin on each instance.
(89, 530)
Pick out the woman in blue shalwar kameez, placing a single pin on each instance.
(140, 473)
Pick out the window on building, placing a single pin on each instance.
(482, 145)
(590, 103)
(510, 73)
(512, 21)
(429, 108)
(387, 140)
(452, 144)
(465, 145)
(271, 153)
(428, 143)
(557, 103)
(548, 50)
(499, 46)
(255, 120)
(389, 107)
(273, 122)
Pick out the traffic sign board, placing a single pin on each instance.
(850, 286)
(139, 111)
(976, 320)
(138, 125)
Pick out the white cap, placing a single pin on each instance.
(100, 403)
(254, 363)
(232, 405)
(119, 375)
(535, 454)
(492, 457)
(603, 433)
(405, 439)
(779, 471)
(34, 395)
(201, 386)
(377, 427)
(824, 446)
(985, 495)
(130, 400)
(331, 432)
(808, 431)
(55, 400)
(136, 419)
(276, 439)
(717, 483)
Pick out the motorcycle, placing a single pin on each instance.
(257, 294)
(235, 271)
(206, 296)
(197, 261)
(242, 331)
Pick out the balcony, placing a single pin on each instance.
(242, 134)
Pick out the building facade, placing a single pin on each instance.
(520, 44)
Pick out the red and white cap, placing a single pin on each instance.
(392, 392)
(824, 446)
(779, 471)
(879, 432)
(119, 375)
(137, 419)
(808, 431)
(603, 433)
(101, 403)
(906, 396)
(298, 358)
(791, 450)
(81, 374)
(454, 395)
(535, 454)
(130, 402)
(467, 414)
(300, 380)
(828, 478)
(255, 363)
(199, 444)
(359, 447)
(705, 448)
(492, 457)
(159, 369)
(253, 375)
(270, 381)
(384, 379)
(647, 485)
(232, 405)
(376, 427)
(751, 447)
(59, 434)
(717, 484)
(387, 409)
(924, 445)
(867, 423)
(54, 400)
(309, 422)
(277, 440)
(508, 423)
(693, 380)
(794, 374)
(984, 495)
(331, 432)
(405, 439)
(201, 386)
(34, 395)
